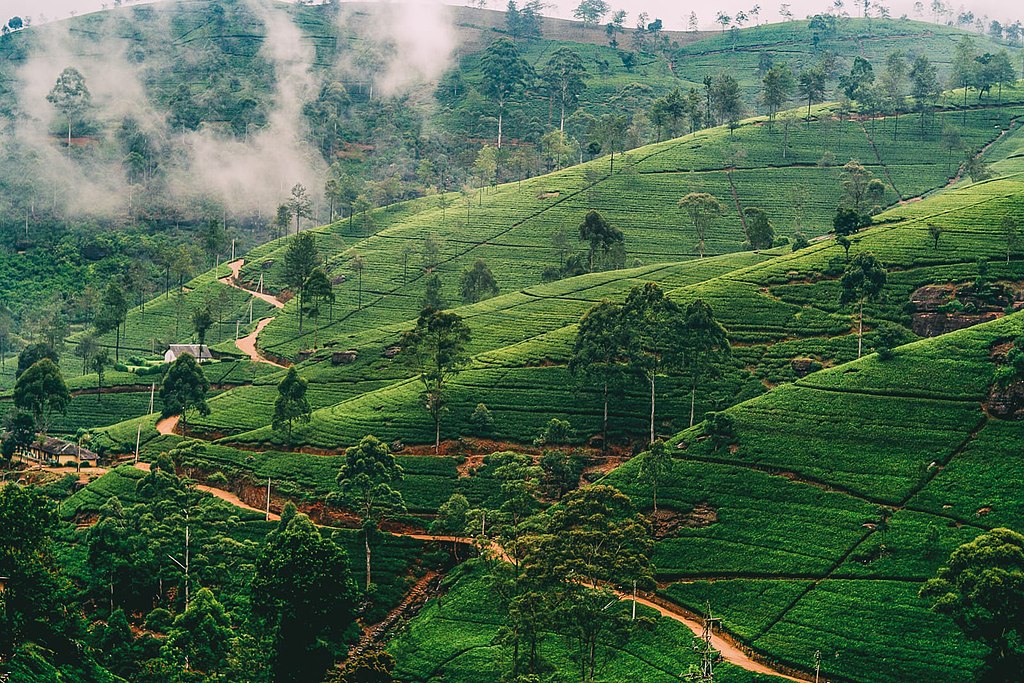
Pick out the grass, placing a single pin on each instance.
(455, 639)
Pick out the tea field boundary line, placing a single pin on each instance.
(913, 492)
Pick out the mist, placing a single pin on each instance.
(246, 174)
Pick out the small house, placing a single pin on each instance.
(54, 451)
(201, 352)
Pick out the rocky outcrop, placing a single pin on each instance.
(941, 308)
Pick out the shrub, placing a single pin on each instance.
(217, 478)
(800, 241)
(720, 428)
(481, 419)
(556, 432)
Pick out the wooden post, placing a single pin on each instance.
(268, 499)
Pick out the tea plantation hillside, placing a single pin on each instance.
(776, 309)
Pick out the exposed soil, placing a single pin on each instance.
(667, 522)
(935, 314)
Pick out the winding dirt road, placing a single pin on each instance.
(167, 425)
(232, 281)
(247, 345)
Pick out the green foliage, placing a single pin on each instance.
(556, 432)
(41, 391)
(184, 388)
(304, 595)
(291, 405)
(982, 589)
(477, 284)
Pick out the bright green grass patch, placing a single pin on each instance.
(981, 485)
(756, 518)
(746, 606)
(871, 632)
(454, 640)
(876, 446)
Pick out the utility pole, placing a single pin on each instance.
(138, 442)
(232, 249)
(184, 567)
(251, 299)
(152, 394)
(817, 665)
(237, 323)
(268, 499)
(705, 672)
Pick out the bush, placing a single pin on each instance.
(800, 241)
(481, 419)
(159, 620)
(720, 428)
(556, 432)
(217, 478)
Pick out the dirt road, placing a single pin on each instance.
(167, 425)
(247, 345)
(232, 281)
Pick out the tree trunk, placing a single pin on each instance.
(652, 407)
(500, 117)
(561, 123)
(604, 423)
(366, 541)
(437, 433)
(860, 329)
(693, 402)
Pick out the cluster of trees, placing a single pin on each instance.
(648, 336)
(214, 605)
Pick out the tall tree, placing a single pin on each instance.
(291, 405)
(505, 74)
(200, 637)
(317, 292)
(564, 74)
(703, 209)
(99, 363)
(478, 283)
(86, 349)
(41, 391)
(964, 69)
(590, 12)
(303, 594)
(599, 352)
(609, 130)
(366, 480)
(599, 235)
(300, 258)
(705, 347)
(594, 538)
(981, 588)
(202, 321)
(654, 326)
(655, 465)
(299, 205)
(184, 389)
(436, 349)
(760, 232)
(924, 87)
(776, 89)
(811, 86)
(863, 280)
(892, 84)
(726, 102)
(112, 315)
(70, 96)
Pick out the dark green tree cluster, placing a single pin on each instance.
(651, 336)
